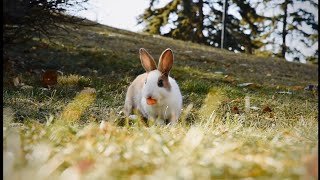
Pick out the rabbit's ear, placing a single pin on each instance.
(166, 61)
(147, 60)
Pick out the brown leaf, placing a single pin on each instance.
(296, 88)
(235, 110)
(229, 78)
(266, 109)
(49, 78)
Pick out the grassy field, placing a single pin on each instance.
(228, 129)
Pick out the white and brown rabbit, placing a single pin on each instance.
(154, 94)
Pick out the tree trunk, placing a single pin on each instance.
(187, 13)
(224, 22)
(201, 17)
(284, 30)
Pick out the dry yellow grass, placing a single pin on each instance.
(55, 133)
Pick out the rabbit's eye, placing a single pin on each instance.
(160, 83)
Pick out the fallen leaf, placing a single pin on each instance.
(235, 110)
(49, 78)
(229, 78)
(266, 109)
(296, 88)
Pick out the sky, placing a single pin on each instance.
(116, 13)
(123, 14)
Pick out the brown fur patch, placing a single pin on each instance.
(165, 81)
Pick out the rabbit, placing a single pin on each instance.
(154, 94)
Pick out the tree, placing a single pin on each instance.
(184, 16)
(187, 21)
(295, 22)
(26, 19)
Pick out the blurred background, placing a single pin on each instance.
(270, 28)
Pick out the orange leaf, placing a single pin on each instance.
(296, 88)
(49, 78)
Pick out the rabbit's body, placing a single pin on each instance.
(154, 94)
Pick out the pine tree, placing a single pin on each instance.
(185, 22)
(157, 18)
(242, 34)
(253, 23)
(36, 18)
(188, 24)
(295, 22)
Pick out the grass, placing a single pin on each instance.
(77, 130)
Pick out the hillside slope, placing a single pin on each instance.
(110, 44)
(228, 129)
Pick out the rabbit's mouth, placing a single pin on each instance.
(151, 101)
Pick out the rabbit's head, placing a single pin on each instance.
(156, 85)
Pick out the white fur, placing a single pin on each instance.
(169, 102)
